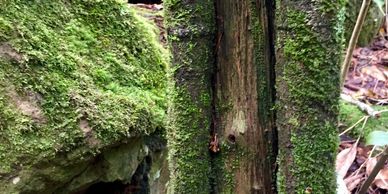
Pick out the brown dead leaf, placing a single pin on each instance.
(368, 74)
(381, 180)
(353, 181)
(345, 159)
(363, 151)
(385, 73)
(370, 164)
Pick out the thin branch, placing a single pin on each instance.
(355, 124)
(381, 10)
(362, 106)
(353, 40)
(386, 16)
(364, 163)
(379, 165)
(382, 111)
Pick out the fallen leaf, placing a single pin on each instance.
(353, 181)
(370, 164)
(381, 180)
(368, 73)
(341, 186)
(374, 72)
(345, 159)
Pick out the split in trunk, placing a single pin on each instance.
(244, 87)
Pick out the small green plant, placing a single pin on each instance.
(377, 138)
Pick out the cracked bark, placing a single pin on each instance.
(244, 96)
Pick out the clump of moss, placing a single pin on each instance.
(91, 70)
(308, 95)
(350, 114)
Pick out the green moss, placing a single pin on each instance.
(196, 18)
(190, 27)
(350, 114)
(94, 61)
(280, 175)
(309, 93)
(188, 140)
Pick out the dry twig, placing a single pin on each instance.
(362, 106)
(353, 39)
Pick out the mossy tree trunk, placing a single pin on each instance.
(190, 27)
(308, 56)
(244, 95)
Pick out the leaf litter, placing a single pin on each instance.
(366, 81)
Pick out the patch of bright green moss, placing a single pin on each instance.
(81, 60)
(350, 114)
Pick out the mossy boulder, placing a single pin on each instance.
(78, 79)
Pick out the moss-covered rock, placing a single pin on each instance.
(76, 77)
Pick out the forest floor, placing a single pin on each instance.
(367, 78)
(367, 83)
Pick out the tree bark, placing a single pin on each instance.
(190, 27)
(244, 96)
(309, 39)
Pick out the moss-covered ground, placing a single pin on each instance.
(351, 114)
(75, 73)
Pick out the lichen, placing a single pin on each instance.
(308, 95)
(90, 61)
